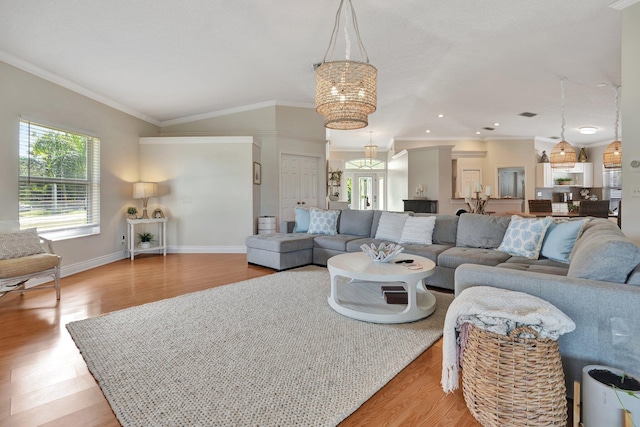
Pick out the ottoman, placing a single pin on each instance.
(280, 251)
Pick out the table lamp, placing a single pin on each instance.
(144, 190)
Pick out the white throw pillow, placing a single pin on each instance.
(20, 244)
(524, 236)
(418, 230)
(390, 226)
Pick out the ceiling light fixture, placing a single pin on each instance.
(496, 124)
(428, 131)
(346, 91)
(612, 156)
(587, 130)
(370, 151)
(440, 116)
(563, 155)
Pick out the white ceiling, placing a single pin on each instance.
(476, 62)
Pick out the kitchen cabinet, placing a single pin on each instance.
(581, 175)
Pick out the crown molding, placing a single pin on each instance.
(54, 78)
(234, 110)
(622, 4)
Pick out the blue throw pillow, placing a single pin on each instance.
(524, 236)
(302, 220)
(560, 238)
(323, 221)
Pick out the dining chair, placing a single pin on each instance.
(543, 205)
(596, 208)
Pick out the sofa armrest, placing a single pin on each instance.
(287, 226)
(607, 327)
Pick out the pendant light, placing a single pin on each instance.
(370, 151)
(563, 155)
(346, 90)
(612, 156)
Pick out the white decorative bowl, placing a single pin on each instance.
(383, 253)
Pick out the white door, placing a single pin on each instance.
(298, 184)
(469, 179)
(367, 190)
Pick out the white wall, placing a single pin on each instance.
(25, 94)
(630, 119)
(206, 190)
(397, 181)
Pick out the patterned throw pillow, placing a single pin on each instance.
(20, 244)
(390, 226)
(323, 221)
(418, 230)
(524, 236)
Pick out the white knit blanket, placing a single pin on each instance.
(487, 305)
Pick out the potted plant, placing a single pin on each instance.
(606, 392)
(145, 240)
(131, 212)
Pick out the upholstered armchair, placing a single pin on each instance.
(25, 255)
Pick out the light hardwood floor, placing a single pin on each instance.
(44, 380)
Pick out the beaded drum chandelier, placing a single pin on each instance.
(346, 90)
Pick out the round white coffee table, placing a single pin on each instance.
(361, 298)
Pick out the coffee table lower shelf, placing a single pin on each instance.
(364, 301)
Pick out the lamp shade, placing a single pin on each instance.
(612, 156)
(346, 93)
(144, 190)
(563, 156)
(370, 151)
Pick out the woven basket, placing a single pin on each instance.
(513, 381)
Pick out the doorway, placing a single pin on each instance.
(366, 190)
(511, 182)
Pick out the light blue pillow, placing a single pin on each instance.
(302, 220)
(560, 238)
(524, 236)
(323, 221)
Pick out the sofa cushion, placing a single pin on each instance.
(428, 251)
(355, 222)
(560, 238)
(481, 231)
(323, 221)
(302, 220)
(453, 257)
(610, 258)
(336, 243)
(418, 230)
(281, 242)
(390, 226)
(536, 268)
(524, 236)
(30, 264)
(20, 244)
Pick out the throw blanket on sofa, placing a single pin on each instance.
(499, 311)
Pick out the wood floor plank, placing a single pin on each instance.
(34, 343)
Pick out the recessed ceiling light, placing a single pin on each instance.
(428, 131)
(478, 133)
(587, 130)
(602, 85)
(496, 124)
(440, 115)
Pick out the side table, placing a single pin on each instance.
(161, 236)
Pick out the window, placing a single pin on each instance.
(59, 181)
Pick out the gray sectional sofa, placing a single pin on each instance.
(599, 289)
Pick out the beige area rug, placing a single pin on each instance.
(264, 352)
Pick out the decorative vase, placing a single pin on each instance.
(602, 404)
(132, 216)
(333, 198)
(582, 157)
(145, 245)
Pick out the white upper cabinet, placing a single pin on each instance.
(581, 175)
